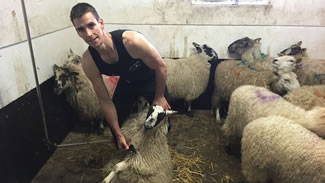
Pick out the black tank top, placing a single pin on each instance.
(129, 69)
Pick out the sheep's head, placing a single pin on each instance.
(207, 51)
(285, 63)
(284, 82)
(155, 114)
(240, 46)
(294, 50)
(73, 58)
(62, 78)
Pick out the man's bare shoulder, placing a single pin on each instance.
(87, 63)
(131, 38)
(86, 57)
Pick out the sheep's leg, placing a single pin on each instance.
(218, 120)
(189, 110)
(117, 168)
(101, 127)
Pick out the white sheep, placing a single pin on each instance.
(248, 103)
(79, 93)
(150, 160)
(278, 149)
(187, 78)
(307, 97)
(231, 74)
(310, 71)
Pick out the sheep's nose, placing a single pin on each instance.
(147, 127)
(275, 60)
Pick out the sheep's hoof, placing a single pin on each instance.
(190, 113)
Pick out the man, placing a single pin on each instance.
(122, 53)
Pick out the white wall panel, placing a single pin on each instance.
(17, 76)
(12, 28)
(284, 12)
(175, 41)
(170, 25)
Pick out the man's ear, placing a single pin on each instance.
(101, 23)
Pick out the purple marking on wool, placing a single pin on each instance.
(265, 98)
(299, 66)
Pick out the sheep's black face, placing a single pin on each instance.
(240, 46)
(155, 114)
(294, 49)
(210, 52)
(197, 47)
(62, 79)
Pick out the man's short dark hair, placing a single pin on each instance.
(80, 9)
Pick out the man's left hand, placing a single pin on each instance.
(162, 102)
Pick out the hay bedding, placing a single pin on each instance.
(196, 146)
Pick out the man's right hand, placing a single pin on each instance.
(122, 143)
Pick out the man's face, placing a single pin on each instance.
(89, 29)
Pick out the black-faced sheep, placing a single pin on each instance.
(231, 74)
(187, 78)
(151, 160)
(310, 71)
(278, 149)
(248, 103)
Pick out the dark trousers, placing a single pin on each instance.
(126, 94)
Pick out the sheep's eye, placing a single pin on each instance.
(287, 80)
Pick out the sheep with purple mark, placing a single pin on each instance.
(248, 103)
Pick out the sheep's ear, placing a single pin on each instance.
(298, 60)
(71, 52)
(195, 45)
(169, 112)
(299, 43)
(55, 67)
(303, 50)
(257, 40)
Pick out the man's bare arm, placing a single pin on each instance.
(138, 47)
(105, 101)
